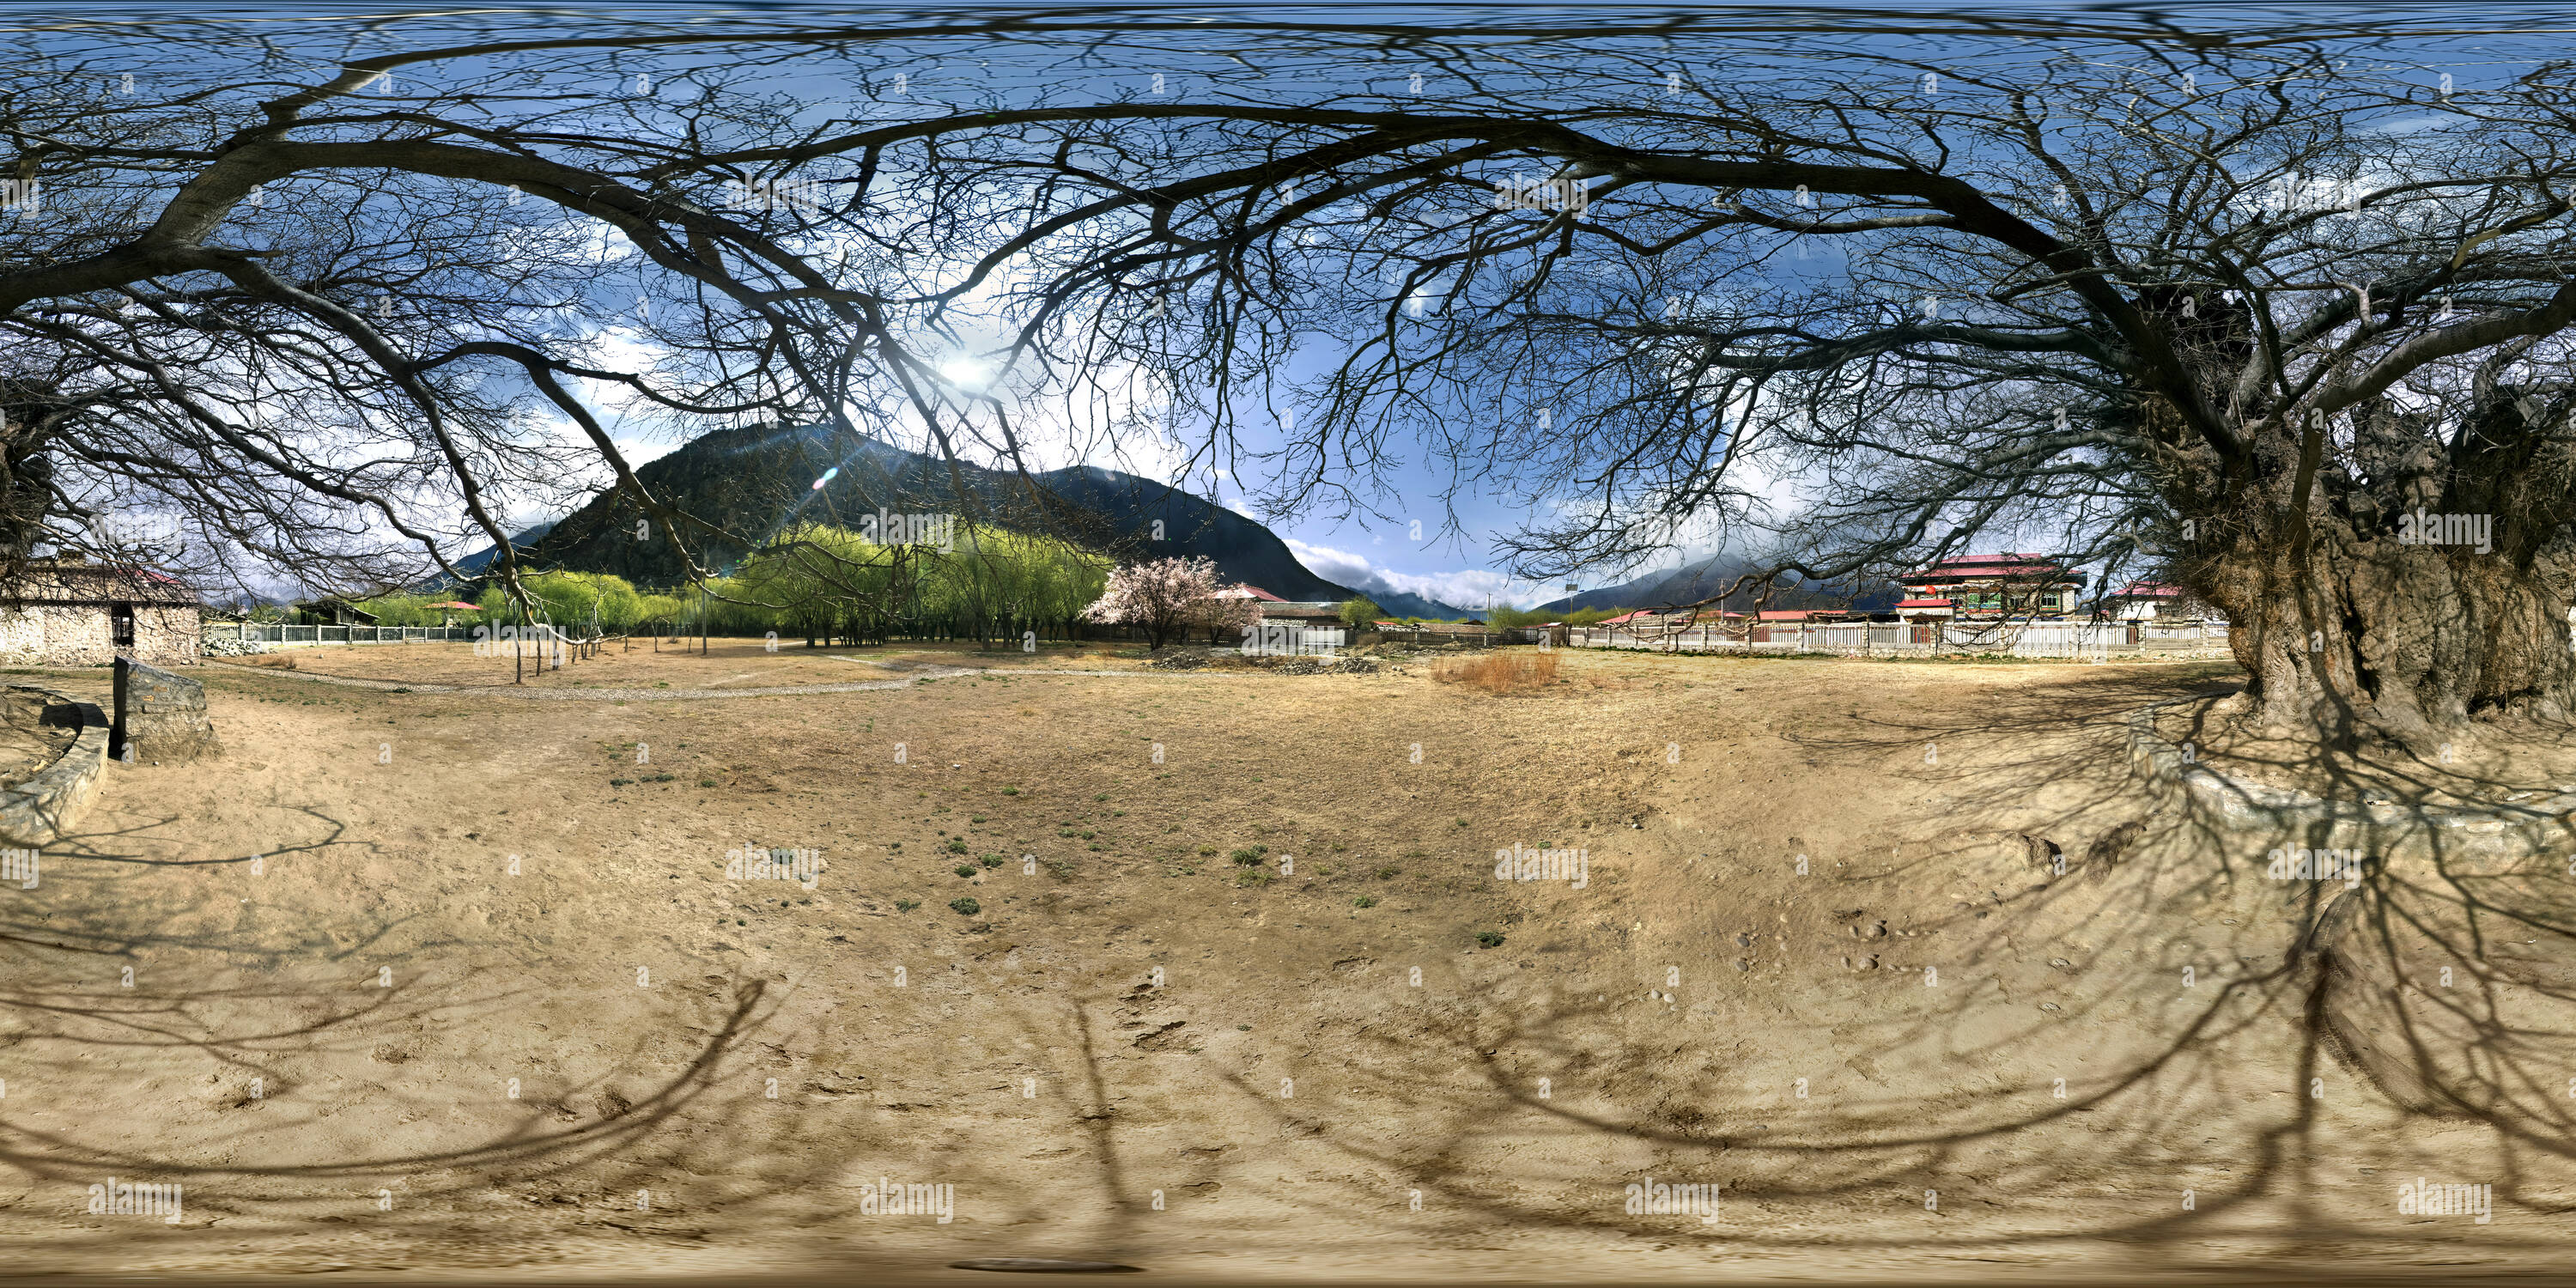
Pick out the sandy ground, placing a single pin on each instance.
(443, 981)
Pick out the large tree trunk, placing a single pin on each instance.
(2365, 634)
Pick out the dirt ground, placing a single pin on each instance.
(738, 664)
(447, 981)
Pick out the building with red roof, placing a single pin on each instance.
(1998, 585)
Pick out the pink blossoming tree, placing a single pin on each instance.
(1164, 597)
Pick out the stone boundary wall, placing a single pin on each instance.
(43, 809)
(2498, 835)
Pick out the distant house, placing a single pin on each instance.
(71, 613)
(1646, 619)
(1779, 624)
(1302, 612)
(2148, 600)
(1925, 609)
(331, 610)
(2004, 585)
(1249, 592)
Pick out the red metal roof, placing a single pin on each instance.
(2154, 589)
(1925, 603)
(1785, 614)
(2007, 564)
(1249, 592)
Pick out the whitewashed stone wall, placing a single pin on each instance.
(80, 635)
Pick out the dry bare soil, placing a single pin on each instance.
(456, 981)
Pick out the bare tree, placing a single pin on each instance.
(2223, 312)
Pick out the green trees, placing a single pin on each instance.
(580, 604)
(1358, 611)
(400, 610)
(831, 584)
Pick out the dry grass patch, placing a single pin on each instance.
(1498, 673)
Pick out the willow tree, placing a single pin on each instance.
(2243, 315)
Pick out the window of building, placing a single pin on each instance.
(120, 622)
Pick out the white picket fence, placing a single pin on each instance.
(1862, 639)
(282, 633)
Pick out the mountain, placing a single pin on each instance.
(1397, 603)
(739, 487)
(523, 540)
(1701, 579)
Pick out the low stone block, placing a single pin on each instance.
(160, 716)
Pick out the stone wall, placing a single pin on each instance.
(82, 635)
(43, 809)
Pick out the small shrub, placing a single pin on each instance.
(1088, 835)
(1101, 797)
(1252, 877)
(966, 907)
(1207, 851)
(1365, 901)
(979, 818)
(956, 845)
(992, 860)
(1489, 939)
(703, 782)
(1064, 831)
(1249, 855)
(1389, 874)
(965, 869)
(619, 782)
(906, 905)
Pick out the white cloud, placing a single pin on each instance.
(1463, 588)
